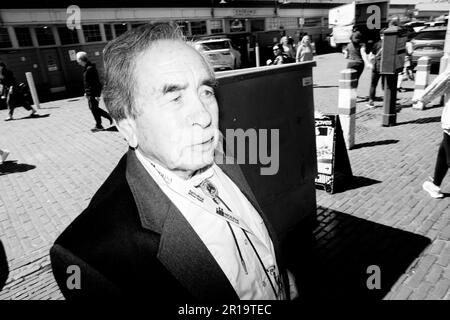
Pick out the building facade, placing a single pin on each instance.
(44, 40)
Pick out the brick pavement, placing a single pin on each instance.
(56, 164)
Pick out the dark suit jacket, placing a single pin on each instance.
(4, 270)
(132, 242)
(91, 80)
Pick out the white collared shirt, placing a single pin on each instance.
(251, 282)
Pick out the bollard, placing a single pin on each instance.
(347, 105)
(422, 76)
(257, 54)
(32, 87)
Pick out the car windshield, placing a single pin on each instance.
(430, 35)
(216, 45)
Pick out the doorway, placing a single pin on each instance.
(53, 68)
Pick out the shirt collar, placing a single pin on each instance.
(171, 179)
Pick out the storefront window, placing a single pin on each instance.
(237, 25)
(45, 36)
(288, 23)
(120, 29)
(136, 25)
(23, 36)
(108, 32)
(67, 36)
(272, 23)
(5, 42)
(257, 25)
(92, 33)
(216, 26)
(198, 28)
(313, 22)
(184, 25)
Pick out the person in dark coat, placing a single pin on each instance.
(142, 237)
(92, 90)
(12, 92)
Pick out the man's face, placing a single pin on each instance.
(177, 113)
(81, 62)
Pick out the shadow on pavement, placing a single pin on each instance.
(36, 116)
(333, 263)
(112, 128)
(4, 270)
(422, 120)
(12, 167)
(374, 143)
(343, 183)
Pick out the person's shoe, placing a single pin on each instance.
(432, 189)
(33, 113)
(370, 104)
(4, 155)
(9, 119)
(96, 129)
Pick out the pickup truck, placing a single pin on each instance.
(361, 14)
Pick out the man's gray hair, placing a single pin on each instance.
(82, 56)
(119, 57)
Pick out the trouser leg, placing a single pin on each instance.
(10, 104)
(442, 161)
(373, 84)
(93, 106)
(105, 114)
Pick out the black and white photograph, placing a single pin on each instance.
(215, 157)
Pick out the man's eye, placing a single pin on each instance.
(177, 98)
(208, 92)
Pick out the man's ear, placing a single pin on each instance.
(127, 127)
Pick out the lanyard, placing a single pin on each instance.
(208, 189)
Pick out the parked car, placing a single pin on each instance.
(220, 53)
(416, 25)
(429, 42)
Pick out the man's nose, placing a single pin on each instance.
(200, 114)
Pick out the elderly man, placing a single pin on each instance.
(169, 223)
(92, 90)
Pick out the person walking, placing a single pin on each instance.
(356, 53)
(287, 48)
(375, 65)
(11, 92)
(92, 90)
(280, 56)
(433, 187)
(407, 72)
(304, 50)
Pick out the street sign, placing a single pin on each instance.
(72, 55)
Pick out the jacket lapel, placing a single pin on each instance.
(181, 250)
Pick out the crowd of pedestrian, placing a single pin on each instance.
(287, 52)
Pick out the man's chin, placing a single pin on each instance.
(202, 162)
